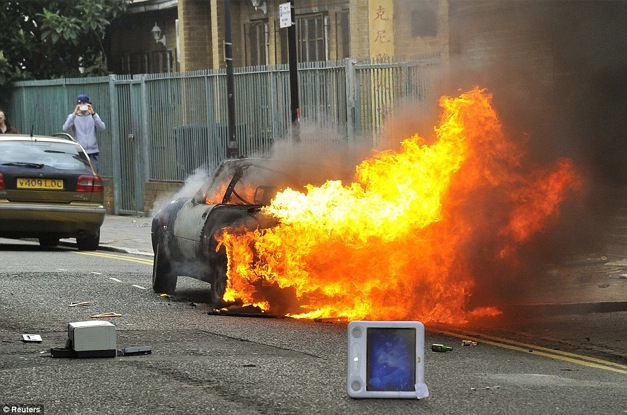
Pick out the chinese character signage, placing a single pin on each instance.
(381, 17)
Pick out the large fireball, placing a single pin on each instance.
(392, 245)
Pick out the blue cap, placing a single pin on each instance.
(82, 98)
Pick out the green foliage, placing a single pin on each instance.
(45, 39)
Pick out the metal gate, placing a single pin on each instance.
(126, 147)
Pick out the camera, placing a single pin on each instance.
(84, 107)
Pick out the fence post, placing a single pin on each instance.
(142, 173)
(116, 163)
(351, 86)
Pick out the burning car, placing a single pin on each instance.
(184, 232)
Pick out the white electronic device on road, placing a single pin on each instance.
(92, 338)
(386, 360)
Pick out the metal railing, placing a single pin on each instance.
(162, 127)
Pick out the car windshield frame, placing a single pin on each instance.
(241, 183)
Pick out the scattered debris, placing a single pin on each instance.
(441, 348)
(164, 295)
(468, 343)
(331, 320)
(31, 338)
(486, 388)
(603, 285)
(79, 304)
(135, 350)
(240, 311)
(106, 315)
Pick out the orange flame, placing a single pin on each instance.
(391, 244)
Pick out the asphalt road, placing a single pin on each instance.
(202, 363)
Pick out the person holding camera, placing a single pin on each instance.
(83, 124)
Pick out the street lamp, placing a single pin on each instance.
(260, 4)
(156, 34)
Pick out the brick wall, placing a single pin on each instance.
(406, 44)
(195, 34)
(359, 28)
(108, 195)
(159, 192)
(155, 193)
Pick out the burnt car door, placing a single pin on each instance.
(187, 228)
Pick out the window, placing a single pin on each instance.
(257, 44)
(153, 62)
(342, 35)
(424, 19)
(312, 38)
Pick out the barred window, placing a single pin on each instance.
(312, 34)
(257, 43)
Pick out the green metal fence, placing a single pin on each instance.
(163, 127)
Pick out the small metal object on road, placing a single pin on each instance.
(79, 304)
(31, 338)
(106, 315)
(468, 343)
(135, 350)
(441, 348)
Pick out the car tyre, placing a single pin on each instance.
(163, 281)
(89, 242)
(218, 284)
(49, 241)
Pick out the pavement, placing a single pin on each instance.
(130, 234)
(596, 283)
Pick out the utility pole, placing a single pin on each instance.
(232, 150)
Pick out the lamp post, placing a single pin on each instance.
(287, 17)
(232, 150)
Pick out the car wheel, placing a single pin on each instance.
(218, 284)
(89, 242)
(163, 281)
(49, 241)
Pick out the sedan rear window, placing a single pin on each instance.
(56, 155)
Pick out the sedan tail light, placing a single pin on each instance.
(90, 184)
(1, 181)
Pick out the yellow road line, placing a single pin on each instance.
(113, 256)
(539, 350)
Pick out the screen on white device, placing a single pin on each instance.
(391, 359)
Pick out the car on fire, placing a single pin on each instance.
(49, 190)
(184, 231)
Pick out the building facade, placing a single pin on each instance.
(186, 35)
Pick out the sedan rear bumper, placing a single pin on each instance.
(30, 219)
